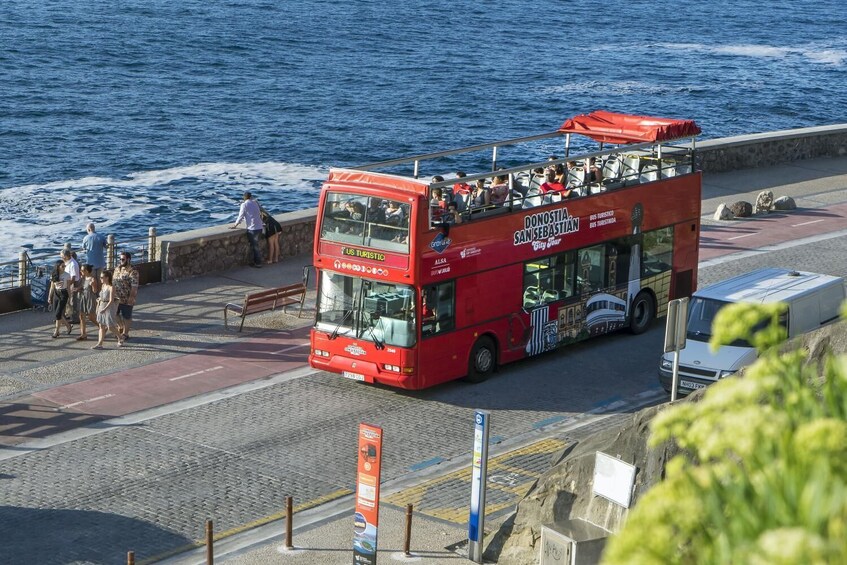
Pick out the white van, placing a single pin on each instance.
(813, 300)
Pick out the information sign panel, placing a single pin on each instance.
(366, 519)
(476, 521)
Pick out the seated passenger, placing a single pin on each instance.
(479, 196)
(394, 215)
(461, 191)
(536, 179)
(437, 206)
(552, 185)
(499, 189)
(595, 174)
(453, 215)
(376, 213)
(561, 173)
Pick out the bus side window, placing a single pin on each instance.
(438, 308)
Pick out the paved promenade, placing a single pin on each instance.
(51, 389)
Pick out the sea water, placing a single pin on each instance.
(162, 112)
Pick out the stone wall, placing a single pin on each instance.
(772, 148)
(218, 249)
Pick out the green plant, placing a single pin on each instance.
(763, 474)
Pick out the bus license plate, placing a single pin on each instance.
(692, 386)
(353, 376)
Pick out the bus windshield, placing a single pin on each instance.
(367, 221)
(383, 313)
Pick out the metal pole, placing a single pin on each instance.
(408, 541)
(22, 268)
(130, 558)
(289, 506)
(110, 251)
(151, 244)
(210, 550)
(494, 158)
(675, 378)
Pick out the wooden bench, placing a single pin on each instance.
(268, 299)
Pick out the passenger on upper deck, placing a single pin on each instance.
(479, 196)
(437, 205)
(376, 213)
(461, 191)
(552, 185)
(595, 174)
(499, 189)
(394, 215)
(453, 215)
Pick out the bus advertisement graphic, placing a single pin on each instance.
(366, 518)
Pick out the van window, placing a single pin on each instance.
(701, 316)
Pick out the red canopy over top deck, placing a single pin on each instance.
(609, 127)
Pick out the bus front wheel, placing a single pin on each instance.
(482, 361)
(643, 312)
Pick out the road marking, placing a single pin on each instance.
(293, 347)
(770, 248)
(806, 223)
(195, 373)
(741, 236)
(95, 399)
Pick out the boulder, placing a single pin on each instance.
(723, 212)
(784, 203)
(764, 202)
(741, 209)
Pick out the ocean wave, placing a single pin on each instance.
(40, 217)
(832, 57)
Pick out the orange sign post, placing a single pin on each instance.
(366, 519)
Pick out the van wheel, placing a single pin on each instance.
(482, 361)
(643, 313)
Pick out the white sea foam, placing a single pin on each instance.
(45, 216)
(833, 57)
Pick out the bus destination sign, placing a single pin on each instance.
(363, 254)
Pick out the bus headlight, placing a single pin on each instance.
(394, 368)
(666, 364)
(722, 374)
(321, 353)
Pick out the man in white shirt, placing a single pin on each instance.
(251, 214)
(74, 284)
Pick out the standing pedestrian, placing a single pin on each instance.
(250, 213)
(75, 284)
(107, 305)
(59, 282)
(125, 282)
(273, 231)
(88, 300)
(94, 246)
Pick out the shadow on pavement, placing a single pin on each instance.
(78, 536)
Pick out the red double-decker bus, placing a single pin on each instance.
(426, 281)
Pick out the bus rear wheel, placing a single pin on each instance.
(643, 313)
(482, 361)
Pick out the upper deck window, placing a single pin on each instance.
(367, 221)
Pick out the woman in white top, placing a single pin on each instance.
(59, 284)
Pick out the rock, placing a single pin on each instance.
(764, 202)
(741, 209)
(723, 212)
(784, 203)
